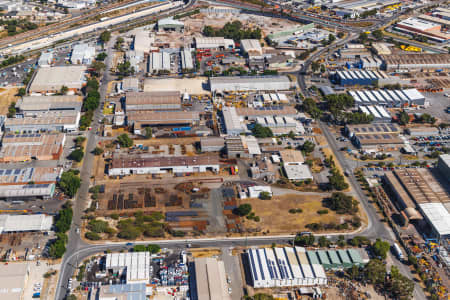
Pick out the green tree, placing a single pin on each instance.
(323, 241)
(101, 56)
(97, 151)
(265, 196)
(399, 285)
(353, 272)
(153, 248)
(243, 209)
(124, 140)
(340, 34)
(331, 38)
(76, 155)
(69, 183)
(22, 92)
(148, 132)
(260, 131)
(304, 240)
(342, 203)
(105, 36)
(93, 236)
(308, 147)
(97, 67)
(380, 248)
(64, 89)
(337, 103)
(403, 118)
(375, 271)
(310, 106)
(337, 180)
(315, 66)
(12, 110)
(378, 35)
(363, 37)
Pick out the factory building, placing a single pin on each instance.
(167, 119)
(45, 60)
(51, 80)
(15, 183)
(388, 98)
(30, 105)
(370, 63)
(352, 53)
(158, 61)
(170, 24)
(242, 146)
(281, 125)
(375, 137)
(136, 265)
(443, 165)
(251, 47)
(187, 63)
(135, 291)
(425, 28)
(142, 41)
(134, 58)
(24, 147)
(252, 113)
(381, 49)
(82, 54)
(232, 122)
(13, 277)
(169, 100)
(127, 165)
(249, 83)
(422, 131)
(361, 77)
(379, 114)
(130, 84)
(418, 188)
(25, 223)
(283, 267)
(213, 43)
(63, 121)
(416, 62)
(212, 144)
(208, 279)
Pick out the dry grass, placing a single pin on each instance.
(275, 216)
(7, 96)
(201, 252)
(321, 140)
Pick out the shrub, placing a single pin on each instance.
(322, 211)
(93, 236)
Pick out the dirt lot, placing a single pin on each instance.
(281, 221)
(192, 86)
(7, 96)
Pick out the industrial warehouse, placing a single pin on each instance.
(416, 62)
(388, 98)
(361, 77)
(128, 165)
(168, 100)
(141, 119)
(51, 80)
(249, 83)
(34, 104)
(24, 147)
(286, 267)
(63, 121)
(16, 184)
(418, 189)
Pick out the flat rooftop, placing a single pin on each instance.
(44, 119)
(40, 103)
(361, 129)
(166, 117)
(266, 111)
(26, 175)
(53, 78)
(416, 59)
(422, 186)
(162, 97)
(161, 162)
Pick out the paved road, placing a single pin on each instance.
(82, 198)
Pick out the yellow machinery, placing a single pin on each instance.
(410, 48)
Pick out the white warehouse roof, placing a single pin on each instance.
(438, 217)
(14, 223)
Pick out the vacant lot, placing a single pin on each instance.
(7, 96)
(275, 216)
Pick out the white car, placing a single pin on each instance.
(229, 290)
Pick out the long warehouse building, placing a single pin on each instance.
(249, 83)
(284, 267)
(388, 98)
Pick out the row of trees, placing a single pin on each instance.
(62, 225)
(233, 31)
(91, 102)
